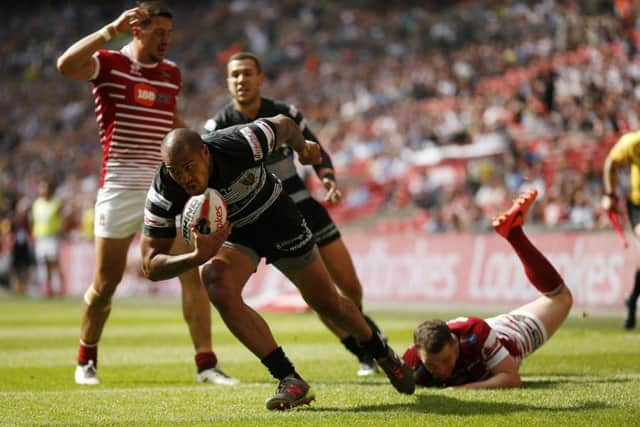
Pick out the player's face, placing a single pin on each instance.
(190, 170)
(244, 80)
(155, 39)
(441, 365)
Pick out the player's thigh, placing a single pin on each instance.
(551, 311)
(315, 284)
(338, 261)
(227, 272)
(111, 261)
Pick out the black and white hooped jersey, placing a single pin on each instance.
(281, 161)
(237, 171)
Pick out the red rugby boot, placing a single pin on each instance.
(514, 217)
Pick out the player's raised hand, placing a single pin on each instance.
(334, 195)
(609, 202)
(310, 154)
(130, 18)
(207, 245)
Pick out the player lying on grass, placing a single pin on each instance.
(469, 352)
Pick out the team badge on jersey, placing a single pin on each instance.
(135, 69)
(248, 179)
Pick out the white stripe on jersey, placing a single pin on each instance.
(132, 162)
(268, 132)
(149, 110)
(158, 221)
(142, 79)
(156, 136)
(121, 153)
(144, 118)
(131, 169)
(135, 143)
(117, 96)
(116, 85)
(121, 134)
(156, 198)
(141, 126)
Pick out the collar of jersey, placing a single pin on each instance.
(126, 50)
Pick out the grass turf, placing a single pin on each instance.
(587, 374)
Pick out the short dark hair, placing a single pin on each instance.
(239, 56)
(432, 335)
(154, 8)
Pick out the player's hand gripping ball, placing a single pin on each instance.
(207, 211)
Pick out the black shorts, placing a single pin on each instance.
(280, 232)
(634, 213)
(322, 226)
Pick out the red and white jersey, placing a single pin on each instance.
(135, 108)
(481, 349)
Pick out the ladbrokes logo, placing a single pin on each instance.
(219, 222)
(144, 94)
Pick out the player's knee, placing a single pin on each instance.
(98, 299)
(218, 285)
(567, 297)
(563, 298)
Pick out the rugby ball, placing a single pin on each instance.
(207, 211)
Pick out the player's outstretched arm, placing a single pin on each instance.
(288, 133)
(76, 62)
(503, 375)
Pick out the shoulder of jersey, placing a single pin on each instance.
(169, 62)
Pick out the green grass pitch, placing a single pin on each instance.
(587, 374)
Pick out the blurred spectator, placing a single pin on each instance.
(48, 220)
(392, 84)
(23, 258)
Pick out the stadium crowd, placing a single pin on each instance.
(442, 112)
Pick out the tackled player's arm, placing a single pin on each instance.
(503, 375)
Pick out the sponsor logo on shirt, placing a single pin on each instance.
(144, 94)
(254, 143)
(163, 98)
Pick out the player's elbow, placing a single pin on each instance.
(62, 64)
